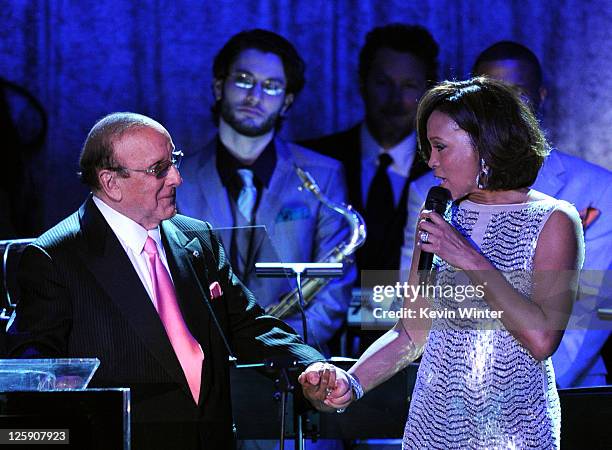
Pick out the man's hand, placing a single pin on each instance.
(326, 386)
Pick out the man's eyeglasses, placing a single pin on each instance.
(158, 170)
(246, 81)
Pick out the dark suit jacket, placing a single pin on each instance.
(383, 252)
(81, 297)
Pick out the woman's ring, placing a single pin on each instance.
(327, 392)
(424, 236)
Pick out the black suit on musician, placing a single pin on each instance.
(382, 252)
(81, 297)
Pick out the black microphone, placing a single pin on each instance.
(437, 200)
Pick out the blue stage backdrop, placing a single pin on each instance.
(86, 58)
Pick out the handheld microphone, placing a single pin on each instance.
(437, 200)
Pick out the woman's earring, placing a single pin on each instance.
(482, 179)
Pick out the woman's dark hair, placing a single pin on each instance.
(502, 128)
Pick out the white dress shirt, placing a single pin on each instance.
(403, 156)
(132, 237)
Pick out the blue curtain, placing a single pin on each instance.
(83, 59)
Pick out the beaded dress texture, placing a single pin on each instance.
(477, 386)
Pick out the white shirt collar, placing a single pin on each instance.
(403, 153)
(129, 233)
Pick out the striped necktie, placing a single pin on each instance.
(248, 194)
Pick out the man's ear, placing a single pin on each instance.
(287, 103)
(108, 180)
(218, 89)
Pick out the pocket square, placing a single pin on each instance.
(215, 290)
(588, 215)
(289, 214)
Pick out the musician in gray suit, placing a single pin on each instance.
(246, 177)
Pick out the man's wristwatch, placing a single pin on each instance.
(356, 389)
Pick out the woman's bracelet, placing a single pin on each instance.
(356, 389)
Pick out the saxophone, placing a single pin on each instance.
(289, 303)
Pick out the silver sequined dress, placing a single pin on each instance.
(477, 386)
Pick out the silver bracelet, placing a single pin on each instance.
(356, 389)
(355, 386)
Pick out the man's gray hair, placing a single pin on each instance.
(98, 152)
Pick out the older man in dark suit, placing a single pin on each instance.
(128, 281)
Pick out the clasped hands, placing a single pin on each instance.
(326, 386)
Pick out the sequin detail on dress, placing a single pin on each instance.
(477, 387)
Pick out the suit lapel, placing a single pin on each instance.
(186, 261)
(552, 176)
(110, 265)
(271, 203)
(272, 197)
(352, 164)
(214, 197)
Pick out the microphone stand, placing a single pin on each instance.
(284, 386)
(298, 280)
(284, 383)
(604, 313)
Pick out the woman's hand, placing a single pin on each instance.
(536, 322)
(326, 386)
(438, 236)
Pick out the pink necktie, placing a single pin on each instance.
(185, 346)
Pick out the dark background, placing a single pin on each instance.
(84, 59)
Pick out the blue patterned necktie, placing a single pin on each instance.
(248, 194)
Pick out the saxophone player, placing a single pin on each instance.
(246, 177)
